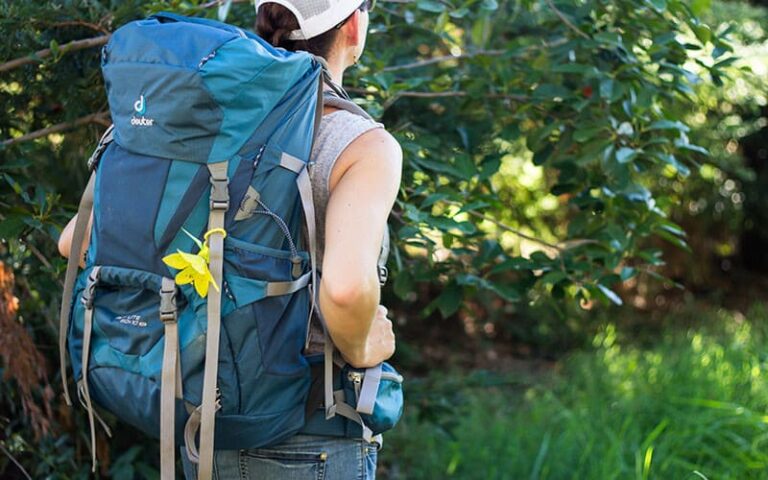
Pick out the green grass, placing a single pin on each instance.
(691, 405)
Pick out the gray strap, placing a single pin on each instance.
(367, 399)
(291, 163)
(329, 402)
(73, 262)
(169, 387)
(218, 208)
(190, 430)
(275, 289)
(305, 192)
(75, 253)
(346, 411)
(332, 100)
(81, 396)
(88, 295)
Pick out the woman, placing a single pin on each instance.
(356, 177)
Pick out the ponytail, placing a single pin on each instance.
(274, 23)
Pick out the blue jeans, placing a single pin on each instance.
(301, 457)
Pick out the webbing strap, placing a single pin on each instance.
(75, 253)
(170, 386)
(367, 399)
(275, 289)
(81, 396)
(88, 294)
(218, 208)
(291, 163)
(190, 429)
(73, 262)
(346, 411)
(307, 202)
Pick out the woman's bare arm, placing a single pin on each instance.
(364, 184)
(65, 240)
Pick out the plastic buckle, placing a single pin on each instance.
(383, 275)
(90, 288)
(219, 193)
(104, 142)
(168, 305)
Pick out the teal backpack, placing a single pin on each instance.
(190, 318)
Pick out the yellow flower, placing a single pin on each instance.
(194, 267)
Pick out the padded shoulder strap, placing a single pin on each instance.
(332, 99)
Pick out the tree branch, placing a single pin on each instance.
(216, 3)
(81, 23)
(430, 61)
(16, 462)
(451, 93)
(66, 48)
(99, 117)
(517, 232)
(565, 20)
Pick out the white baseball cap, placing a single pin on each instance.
(315, 16)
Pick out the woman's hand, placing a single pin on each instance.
(380, 343)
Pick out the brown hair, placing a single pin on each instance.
(275, 22)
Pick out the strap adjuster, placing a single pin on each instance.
(90, 287)
(383, 274)
(219, 193)
(168, 304)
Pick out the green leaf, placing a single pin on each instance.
(627, 273)
(669, 125)
(12, 226)
(625, 154)
(516, 263)
(506, 292)
(489, 5)
(671, 160)
(610, 294)
(586, 133)
(449, 300)
(430, 6)
(700, 6)
(658, 5)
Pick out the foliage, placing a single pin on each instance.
(693, 402)
(533, 132)
(724, 198)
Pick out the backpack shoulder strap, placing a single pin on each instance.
(332, 99)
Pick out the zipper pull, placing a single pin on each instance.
(296, 270)
(357, 379)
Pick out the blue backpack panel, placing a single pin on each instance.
(225, 98)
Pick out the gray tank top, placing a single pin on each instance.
(337, 130)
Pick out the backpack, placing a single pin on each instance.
(191, 314)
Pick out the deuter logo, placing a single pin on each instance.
(140, 106)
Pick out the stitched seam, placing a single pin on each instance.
(243, 465)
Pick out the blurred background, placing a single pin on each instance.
(579, 271)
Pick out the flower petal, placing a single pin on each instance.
(186, 276)
(201, 285)
(196, 262)
(176, 261)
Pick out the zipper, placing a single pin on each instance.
(357, 379)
